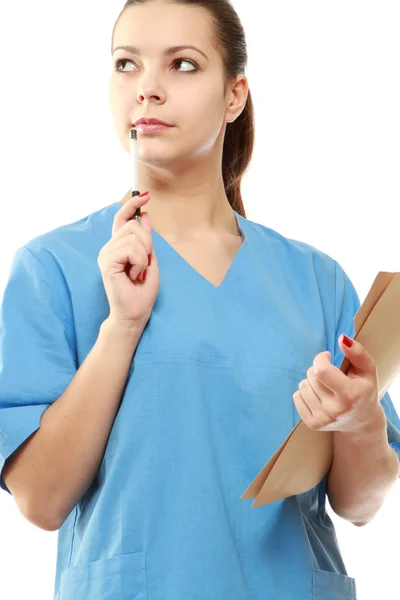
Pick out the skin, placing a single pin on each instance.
(182, 166)
(364, 466)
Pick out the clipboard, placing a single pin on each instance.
(306, 455)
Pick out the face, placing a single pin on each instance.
(184, 89)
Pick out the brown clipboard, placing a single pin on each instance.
(306, 456)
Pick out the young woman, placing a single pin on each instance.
(149, 368)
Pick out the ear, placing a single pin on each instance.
(237, 96)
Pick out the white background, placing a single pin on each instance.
(325, 83)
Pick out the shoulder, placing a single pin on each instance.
(91, 226)
(297, 254)
(73, 242)
(55, 263)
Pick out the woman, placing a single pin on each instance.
(161, 358)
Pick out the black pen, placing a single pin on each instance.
(135, 180)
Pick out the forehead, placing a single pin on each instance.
(167, 23)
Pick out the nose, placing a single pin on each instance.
(150, 89)
(149, 96)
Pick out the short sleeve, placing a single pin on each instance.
(347, 304)
(37, 352)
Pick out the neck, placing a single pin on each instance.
(175, 216)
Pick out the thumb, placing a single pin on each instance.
(357, 354)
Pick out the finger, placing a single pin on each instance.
(320, 400)
(125, 257)
(317, 385)
(321, 411)
(362, 363)
(301, 405)
(330, 376)
(310, 396)
(331, 404)
(152, 271)
(128, 210)
(133, 227)
(313, 417)
(145, 221)
(133, 269)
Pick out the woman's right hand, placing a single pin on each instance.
(126, 256)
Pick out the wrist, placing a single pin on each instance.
(377, 424)
(374, 429)
(122, 329)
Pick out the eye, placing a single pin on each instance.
(119, 61)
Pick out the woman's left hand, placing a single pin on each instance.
(329, 400)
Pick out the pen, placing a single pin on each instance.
(135, 177)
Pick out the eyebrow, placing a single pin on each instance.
(167, 52)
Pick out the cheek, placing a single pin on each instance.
(198, 123)
(199, 102)
(207, 119)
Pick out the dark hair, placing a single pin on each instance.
(239, 135)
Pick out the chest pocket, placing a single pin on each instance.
(333, 586)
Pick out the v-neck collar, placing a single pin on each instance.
(196, 273)
(236, 258)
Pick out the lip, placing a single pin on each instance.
(150, 121)
(151, 127)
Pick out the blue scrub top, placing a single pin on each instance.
(208, 400)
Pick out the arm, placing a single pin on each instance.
(363, 470)
(53, 469)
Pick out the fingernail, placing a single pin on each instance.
(144, 194)
(347, 341)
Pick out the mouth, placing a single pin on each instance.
(150, 121)
(151, 127)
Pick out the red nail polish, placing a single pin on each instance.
(144, 194)
(347, 341)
